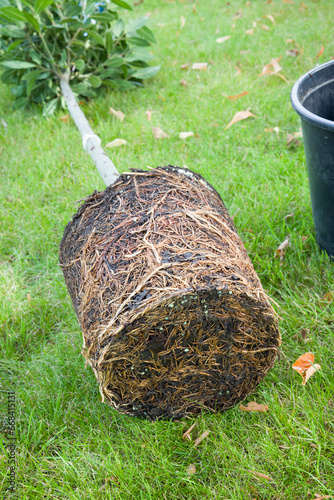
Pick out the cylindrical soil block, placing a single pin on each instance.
(173, 315)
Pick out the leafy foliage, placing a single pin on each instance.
(41, 39)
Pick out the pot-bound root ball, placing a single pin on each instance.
(173, 315)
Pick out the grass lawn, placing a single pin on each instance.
(69, 445)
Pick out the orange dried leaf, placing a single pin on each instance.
(240, 115)
(321, 51)
(254, 406)
(309, 372)
(185, 66)
(201, 438)
(272, 68)
(328, 297)
(265, 27)
(148, 114)
(235, 97)
(65, 119)
(238, 71)
(280, 252)
(250, 31)
(303, 363)
(292, 52)
(183, 82)
(118, 114)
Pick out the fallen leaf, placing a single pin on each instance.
(240, 115)
(223, 39)
(65, 119)
(28, 296)
(159, 133)
(185, 66)
(187, 434)
(304, 238)
(289, 40)
(191, 469)
(291, 2)
(328, 297)
(183, 82)
(238, 14)
(303, 335)
(291, 140)
(280, 252)
(321, 51)
(235, 97)
(272, 68)
(270, 129)
(289, 216)
(292, 52)
(118, 114)
(254, 406)
(238, 71)
(194, 9)
(183, 22)
(148, 114)
(265, 27)
(270, 17)
(116, 143)
(200, 66)
(250, 32)
(319, 497)
(185, 135)
(201, 438)
(259, 474)
(303, 363)
(309, 372)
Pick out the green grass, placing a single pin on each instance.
(69, 445)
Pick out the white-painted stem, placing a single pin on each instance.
(91, 142)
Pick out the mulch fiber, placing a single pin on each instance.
(173, 315)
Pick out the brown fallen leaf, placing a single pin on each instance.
(321, 51)
(183, 82)
(28, 297)
(235, 97)
(260, 475)
(187, 434)
(270, 129)
(309, 372)
(118, 114)
(303, 363)
(238, 71)
(292, 52)
(289, 40)
(148, 114)
(200, 66)
(115, 143)
(319, 497)
(271, 18)
(265, 27)
(201, 438)
(191, 469)
(272, 68)
(291, 2)
(291, 140)
(183, 22)
(328, 297)
(289, 216)
(280, 252)
(223, 39)
(240, 115)
(238, 14)
(303, 335)
(185, 135)
(254, 406)
(159, 133)
(65, 119)
(185, 66)
(250, 31)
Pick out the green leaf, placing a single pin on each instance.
(20, 103)
(15, 44)
(138, 54)
(31, 74)
(41, 5)
(32, 20)
(109, 43)
(125, 85)
(12, 31)
(140, 42)
(114, 62)
(12, 14)
(146, 33)
(50, 107)
(118, 28)
(123, 4)
(31, 85)
(135, 25)
(98, 38)
(17, 64)
(79, 88)
(103, 17)
(9, 76)
(144, 73)
(80, 65)
(95, 81)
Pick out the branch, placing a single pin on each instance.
(91, 142)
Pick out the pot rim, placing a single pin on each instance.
(304, 113)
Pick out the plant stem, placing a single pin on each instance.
(91, 142)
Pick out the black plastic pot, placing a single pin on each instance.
(312, 98)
